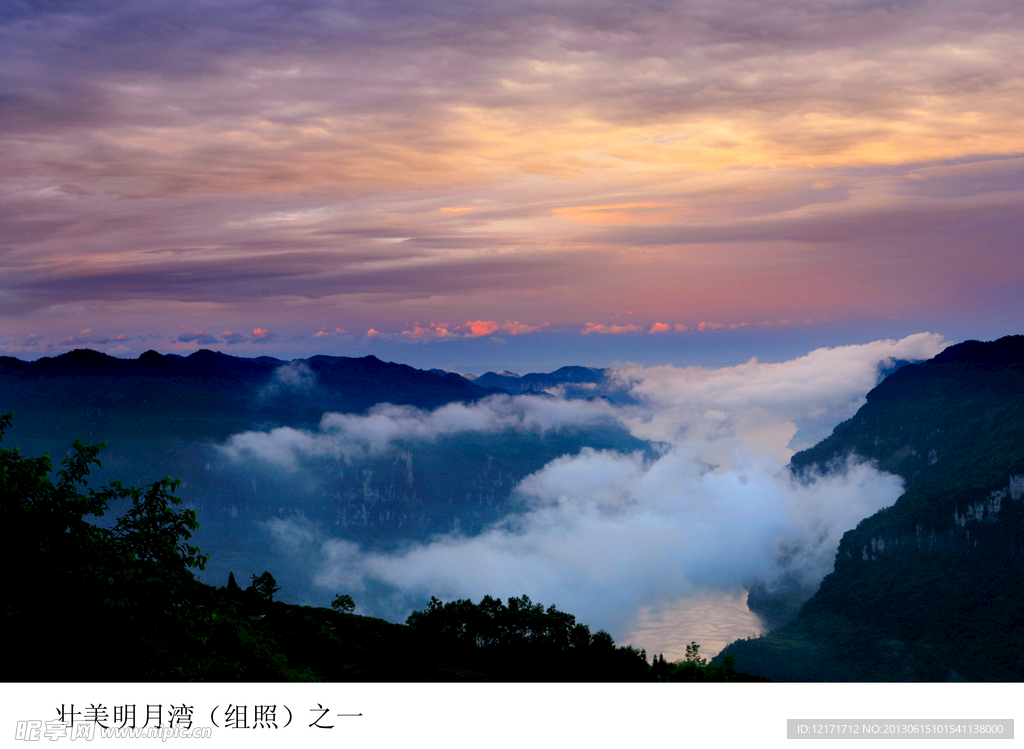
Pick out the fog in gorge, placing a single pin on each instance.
(629, 540)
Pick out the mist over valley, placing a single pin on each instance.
(620, 495)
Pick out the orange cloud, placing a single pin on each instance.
(481, 328)
(259, 332)
(659, 327)
(325, 333)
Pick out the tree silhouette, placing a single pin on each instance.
(264, 588)
(343, 603)
(128, 585)
(693, 655)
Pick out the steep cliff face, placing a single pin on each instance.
(930, 588)
(422, 488)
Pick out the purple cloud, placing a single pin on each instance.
(198, 337)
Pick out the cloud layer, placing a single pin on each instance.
(306, 166)
(349, 436)
(607, 535)
(762, 406)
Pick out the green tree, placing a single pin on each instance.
(343, 603)
(693, 655)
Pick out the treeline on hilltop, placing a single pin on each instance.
(116, 600)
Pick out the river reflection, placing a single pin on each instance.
(712, 620)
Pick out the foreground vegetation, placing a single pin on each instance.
(127, 607)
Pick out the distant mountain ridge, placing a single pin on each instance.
(539, 382)
(164, 389)
(930, 588)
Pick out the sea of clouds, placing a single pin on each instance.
(603, 534)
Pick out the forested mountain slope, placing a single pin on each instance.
(930, 588)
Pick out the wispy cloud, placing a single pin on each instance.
(350, 436)
(728, 163)
(593, 327)
(763, 404)
(472, 329)
(87, 336)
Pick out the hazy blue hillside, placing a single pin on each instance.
(172, 415)
(575, 379)
(207, 394)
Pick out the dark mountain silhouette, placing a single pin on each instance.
(207, 394)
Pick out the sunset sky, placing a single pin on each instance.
(508, 184)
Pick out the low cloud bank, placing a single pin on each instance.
(607, 534)
(350, 436)
(295, 377)
(758, 405)
(604, 534)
